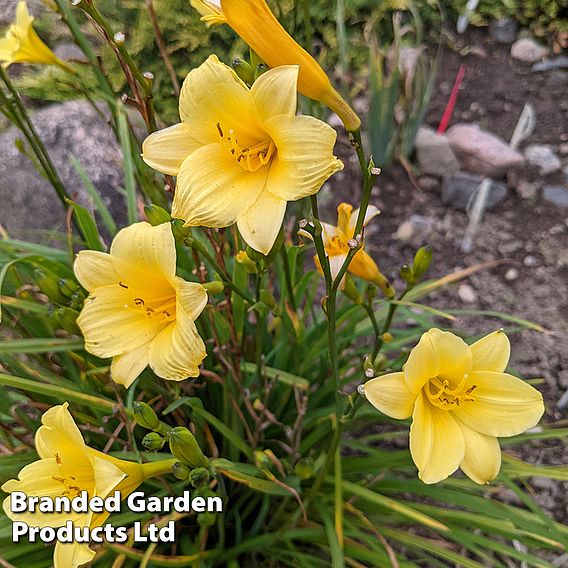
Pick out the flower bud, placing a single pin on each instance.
(153, 441)
(267, 297)
(244, 259)
(215, 287)
(49, 286)
(156, 215)
(181, 471)
(145, 416)
(407, 274)
(262, 460)
(68, 287)
(261, 68)
(243, 70)
(350, 290)
(199, 477)
(67, 319)
(422, 260)
(305, 468)
(185, 448)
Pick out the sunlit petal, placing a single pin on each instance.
(390, 395)
(482, 460)
(126, 368)
(95, 269)
(72, 555)
(275, 92)
(363, 266)
(192, 297)
(491, 353)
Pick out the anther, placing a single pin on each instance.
(122, 285)
(220, 130)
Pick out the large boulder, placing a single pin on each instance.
(29, 202)
(482, 152)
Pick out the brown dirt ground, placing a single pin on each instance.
(531, 234)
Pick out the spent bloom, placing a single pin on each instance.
(138, 311)
(21, 44)
(241, 154)
(460, 400)
(259, 28)
(67, 466)
(337, 240)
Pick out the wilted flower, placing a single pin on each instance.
(460, 401)
(338, 240)
(259, 28)
(138, 311)
(66, 468)
(240, 154)
(21, 44)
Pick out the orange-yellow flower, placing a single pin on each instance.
(460, 400)
(210, 11)
(67, 466)
(138, 311)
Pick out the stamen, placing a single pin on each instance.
(122, 285)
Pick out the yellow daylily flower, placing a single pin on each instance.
(336, 239)
(66, 468)
(259, 28)
(461, 401)
(241, 154)
(210, 10)
(138, 311)
(21, 44)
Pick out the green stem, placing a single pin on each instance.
(386, 326)
(288, 277)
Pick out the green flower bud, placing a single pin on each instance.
(206, 519)
(145, 416)
(215, 287)
(156, 215)
(77, 300)
(199, 476)
(181, 471)
(68, 287)
(153, 441)
(244, 259)
(49, 286)
(350, 290)
(260, 70)
(267, 297)
(185, 448)
(407, 274)
(262, 460)
(422, 261)
(243, 69)
(67, 319)
(305, 468)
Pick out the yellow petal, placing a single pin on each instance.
(192, 297)
(344, 211)
(436, 442)
(58, 434)
(363, 266)
(503, 405)
(95, 269)
(39, 479)
(482, 460)
(72, 555)
(8, 45)
(178, 350)
(370, 214)
(213, 190)
(113, 325)
(329, 231)
(214, 95)
(145, 253)
(335, 264)
(300, 168)
(166, 149)
(23, 17)
(126, 368)
(275, 92)
(439, 353)
(390, 395)
(260, 225)
(491, 353)
(107, 475)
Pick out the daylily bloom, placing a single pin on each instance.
(210, 10)
(259, 28)
(336, 242)
(460, 400)
(138, 311)
(241, 154)
(21, 44)
(66, 468)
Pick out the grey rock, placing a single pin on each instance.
(482, 152)
(528, 50)
(429, 183)
(467, 294)
(459, 188)
(543, 157)
(503, 30)
(29, 202)
(526, 189)
(415, 230)
(8, 10)
(556, 194)
(69, 52)
(434, 153)
(560, 62)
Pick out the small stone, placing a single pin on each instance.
(528, 50)
(459, 188)
(503, 30)
(530, 261)
(434, 154)
(556, 194)
(428, 183)
(526, 189)
(467, 294)
(69, 52)
(415, 230)
(482, 152)
(560, 62)
(563, 149)
(543, 157)
(511, 274)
